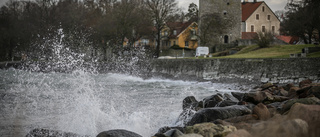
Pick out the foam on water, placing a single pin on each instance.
(87, 103)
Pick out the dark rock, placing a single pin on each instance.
(310, 101)
(283, 92)
(266, 86)
(212, 101)
(261, 111)
(293, 91)
(256, 97)
(226, 103)
(238, 95)
(118, 133)
(38, 132)
(212, 114)
(165, 129)
(305, 83)
(173, 133)
(314, 91)
(288, 87)
(303, 92)
(189, 103)
(230, 97)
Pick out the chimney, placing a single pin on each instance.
(254, 1)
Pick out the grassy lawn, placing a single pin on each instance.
(278, 51)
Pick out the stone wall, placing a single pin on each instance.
(258, 70)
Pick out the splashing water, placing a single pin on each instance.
(88, 103)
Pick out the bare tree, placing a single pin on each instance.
(160, 10)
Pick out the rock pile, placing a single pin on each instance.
(267, 110)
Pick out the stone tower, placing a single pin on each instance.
(227, 9)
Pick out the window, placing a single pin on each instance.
(166, 33)
(252, 28)
(262, 8)
(174, 43)
(193, 31)
(174, 32)
(224, 12)
(269, 17)
(186, 44)
(273, 29)
(257, 16)
(263, 28)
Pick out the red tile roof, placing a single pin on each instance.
(248, 35)
(248, 8)
(288, 39)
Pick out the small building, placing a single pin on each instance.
(258, 17)
(179, 34)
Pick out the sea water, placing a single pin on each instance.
(89, 103)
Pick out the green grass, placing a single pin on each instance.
(278, 51)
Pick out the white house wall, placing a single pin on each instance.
(263, 20)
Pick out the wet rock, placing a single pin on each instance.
(293, 91)
(226, 103)
(173, 133)
(238, 95)
(280, 128)
(283, 92)
(305, 83)
(266, 86)
(288, 87)
(212, 114)
(191, 135)
(165, 129)
(210, 130)
(308, 113)
(288, 104)
(303, 92)
(261, 111)
(212, 101)
(230, 98)
(38, 132)
(240, 133)
(189, 103)
(118, 133)
(312, 91)
(256, 97)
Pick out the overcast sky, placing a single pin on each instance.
(273, 4)
(184, 4)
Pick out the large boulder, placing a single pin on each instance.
(280, 128)
(255, 97)
(308, 113)
(305, 83)
(212, 101)
(240, 133)
(238, 95)
(190, 102)
(212, 114)
(261, 111)
(210, 130)
(288, 104)
(226, 103)
(38, 132)
(118, 133)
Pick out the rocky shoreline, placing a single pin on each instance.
(266, 110)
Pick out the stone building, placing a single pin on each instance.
(227, 9)
(247, 18)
